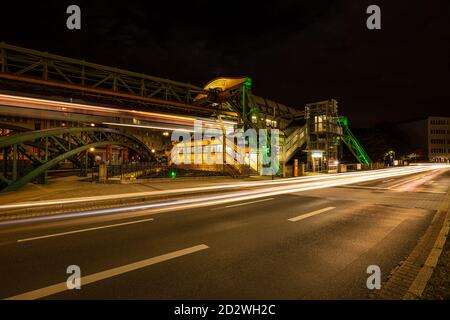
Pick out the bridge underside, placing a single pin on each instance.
(29, 155)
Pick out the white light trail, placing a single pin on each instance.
(66, 107)
(147, 127)
(366, 175)
(309, 184)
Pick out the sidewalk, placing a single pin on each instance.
(438, 288)
(76, 187)
(425, 272)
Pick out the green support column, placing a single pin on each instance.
(224, 150)
(45, 177)
(5, 162)
(84, 164)
(14, 173)
(244, 111)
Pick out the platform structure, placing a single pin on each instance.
(56, 109)
(324, 136)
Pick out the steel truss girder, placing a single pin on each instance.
(56, 145)
(41, 68)
(49, 67)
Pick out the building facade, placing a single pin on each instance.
(430, 136)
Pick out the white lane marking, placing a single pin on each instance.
(61, 287)
(404, 182)
(425, 191)
(308, 215)
(84, 230)
(242, 204)
(363, 187)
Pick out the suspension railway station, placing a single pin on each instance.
(59, 113)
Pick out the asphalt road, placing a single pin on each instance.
(302, 245)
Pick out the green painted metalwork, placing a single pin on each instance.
(43, 149)
(249, 109)
(352, 142)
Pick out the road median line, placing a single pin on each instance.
(310, 214)
(84, 230)
(242, 204)
(62, 286)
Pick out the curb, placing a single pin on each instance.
(410, 277)
(94, 204)
(418, 286)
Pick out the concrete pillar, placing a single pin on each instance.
(102, 172)
(283, 169)
(302, 169)
(108, 154)
(295, 167)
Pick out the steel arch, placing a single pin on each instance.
(54, 146)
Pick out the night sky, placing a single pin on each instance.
(296, 51)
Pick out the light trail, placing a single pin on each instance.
(147, 127)
(394, 172)
(232, 197)
(65, 107)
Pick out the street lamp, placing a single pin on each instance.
(391, 155)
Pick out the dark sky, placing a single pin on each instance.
(296, 51)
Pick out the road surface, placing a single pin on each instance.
(310, 243)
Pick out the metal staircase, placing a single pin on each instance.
(293, 142)
(352, 142)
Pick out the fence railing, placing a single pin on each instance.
(134, 171)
